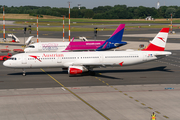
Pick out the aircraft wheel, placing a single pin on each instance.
(92, 73)
(5, 58)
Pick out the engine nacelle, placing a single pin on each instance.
(73, 70)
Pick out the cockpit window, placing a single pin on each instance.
(12, 58)
(31, 46)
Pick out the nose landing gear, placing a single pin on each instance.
(24, 72)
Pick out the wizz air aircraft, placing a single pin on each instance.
(113, 42)
(79, 62)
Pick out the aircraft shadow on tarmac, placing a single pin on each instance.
(97, 72)
(161, 68)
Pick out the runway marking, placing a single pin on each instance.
(143, 104)
(166, 116)
(167, 63)
(115, 88)
(157, 112)
(174, 57)
(77, 96)
(132, 97)
(171, 60)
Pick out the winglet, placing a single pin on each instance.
(72, 39)
(159, 42)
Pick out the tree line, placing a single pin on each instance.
(100, 12)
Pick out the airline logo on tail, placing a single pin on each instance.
(159, 42)
(161, 38)
(115, 40)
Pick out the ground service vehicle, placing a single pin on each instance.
(5, 57)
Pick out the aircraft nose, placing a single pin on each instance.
(25, 50)
(5, 63)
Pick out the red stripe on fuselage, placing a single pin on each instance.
(35, 57)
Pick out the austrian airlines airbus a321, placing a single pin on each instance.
(114, 41)
(79, 62)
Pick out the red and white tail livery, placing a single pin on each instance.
(159, 42)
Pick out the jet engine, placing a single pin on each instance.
(74, 70)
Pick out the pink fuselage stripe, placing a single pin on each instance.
(105, 45)
(118, 29)
(85, 45)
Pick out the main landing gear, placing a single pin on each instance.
(92, 73)
(24, 72)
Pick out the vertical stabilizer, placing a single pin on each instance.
(119, 28)
(115, 39)
(159, 42)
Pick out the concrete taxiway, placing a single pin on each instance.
(132, 92)
(119, 93)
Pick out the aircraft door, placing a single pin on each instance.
(144, 56)
(59, 60)
(40, 47)
(101, 58)
(24, 60)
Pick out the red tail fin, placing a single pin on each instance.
(159, 42)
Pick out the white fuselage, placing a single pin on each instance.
(47, 47)
(92, 59)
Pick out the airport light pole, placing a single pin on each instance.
(37, 29)
(63, 27)
(171, 22)
(24, 35)
(4, 37)
(69, 20)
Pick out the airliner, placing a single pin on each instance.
(114, 41)
(79, 62)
